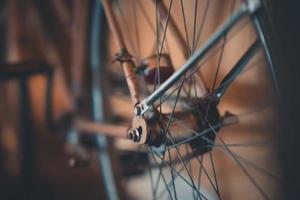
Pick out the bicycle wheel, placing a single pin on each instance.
(207, 87)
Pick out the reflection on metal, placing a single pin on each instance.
(97, 99)
(191, 62)
(236, 70)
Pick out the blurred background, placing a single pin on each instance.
(50, 42)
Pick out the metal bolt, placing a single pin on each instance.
(137, 110)
(136, 135)
(130, 135)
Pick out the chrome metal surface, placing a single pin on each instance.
(246, 8)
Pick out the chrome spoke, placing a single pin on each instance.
(214, 173)
(202, 23)
(178, 158)
(185, 28)
(237, 161)
(182, 177)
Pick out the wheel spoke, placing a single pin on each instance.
(159, 47)
(237, 161)
(212, 90)
(204, 61)
(147, 18)
(202, 23)
(126, 24)
(176, 161)
(214, 173)
(182, 177)
(185, 28)
(183, 163)
(137, 33)
(172, 175)
(236, 70)
(226, 146)
(194, 26)
(162, 176)
(254, 166)
(170, 136)
(152, 181)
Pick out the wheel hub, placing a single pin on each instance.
(196, 126)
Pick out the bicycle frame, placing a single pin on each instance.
(124, 56)
(246, 8)
(104, 129)
(249, 7)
